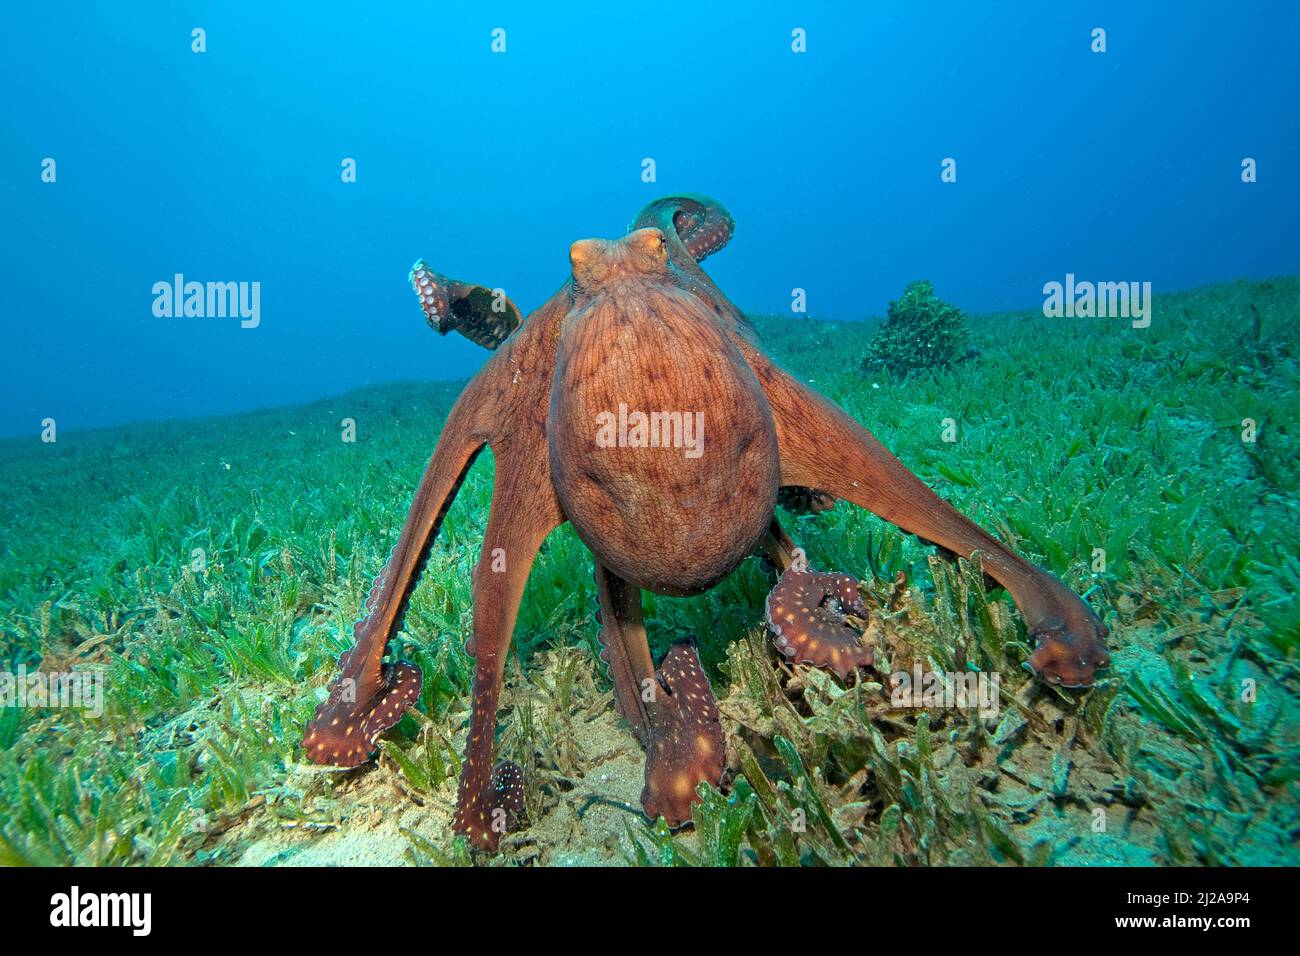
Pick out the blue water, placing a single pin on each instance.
(225, 166)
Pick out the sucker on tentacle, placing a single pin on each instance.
(484, 316)
(508, 787)
(806, 614)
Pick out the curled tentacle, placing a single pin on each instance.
(484, 316)
(703, 224)
(695, 228)
(806, 612)
(686, 743)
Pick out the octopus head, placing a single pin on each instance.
(600, 264)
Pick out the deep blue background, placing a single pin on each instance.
(225, 166)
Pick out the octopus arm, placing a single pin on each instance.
(806, 613)
(686, 743)
(822, 447)
(485, 316)
(368, 696)
(625, 648)
(499, 407)
(524, 511)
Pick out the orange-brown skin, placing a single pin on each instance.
(686, 743)
(805, 613)
(641, 323)
(677, 519)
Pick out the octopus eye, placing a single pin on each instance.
(663, 246)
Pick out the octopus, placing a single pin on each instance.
(638, 405)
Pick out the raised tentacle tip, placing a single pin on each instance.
(432, 290)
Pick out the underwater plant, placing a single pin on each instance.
(921, 331)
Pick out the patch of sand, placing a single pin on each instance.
(583, 823)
